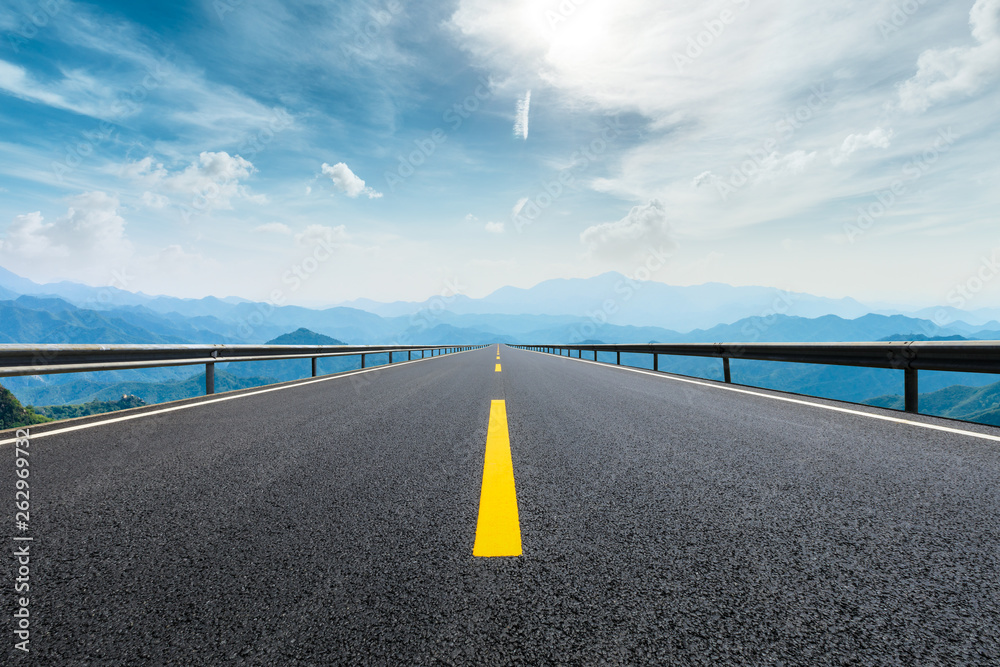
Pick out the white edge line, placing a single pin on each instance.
(80, 427)
(833, 408)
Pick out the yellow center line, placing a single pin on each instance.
(498, 531)
(498, 368)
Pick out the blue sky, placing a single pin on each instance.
(219, 147)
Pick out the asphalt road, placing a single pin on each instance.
(662, 522)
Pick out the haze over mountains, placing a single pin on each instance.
(619, 309)
(607, 308)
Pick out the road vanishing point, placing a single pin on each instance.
(501, 506)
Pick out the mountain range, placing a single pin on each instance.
(607, 308)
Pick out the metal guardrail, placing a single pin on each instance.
(910, 357)
(46, 359)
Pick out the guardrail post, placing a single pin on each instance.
(314, 366)
(910, 390)
(618, 357)
(362, 360)
(210, 378)
(656, 361)
(595, 355)
(390, 356)
(725, 370)
(409, 355)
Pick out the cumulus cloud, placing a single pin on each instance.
(521, 119)
(957, 71)
(494, 227)
(877, 138)
(347, 182)
(85, 244)
(211, 182)
(273, 228)
(645, 229)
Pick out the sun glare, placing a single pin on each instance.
(571, 32)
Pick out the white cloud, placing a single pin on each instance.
(494, 227)
(645, 228)
(153, 200)
(144, 82)
(957, 71)
(772, 167)
(82, 244)
(521, 119)
(273, 228)
(76, 91)
(174, 262)
(323, 235)
(212, 182)
(704, 178)
(777, 166)
(877, 138)
(471, 218)
(347, 182)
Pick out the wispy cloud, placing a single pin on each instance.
(75, 91)
(521, 118)
(273, 228)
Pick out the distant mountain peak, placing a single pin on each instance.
(303, 336)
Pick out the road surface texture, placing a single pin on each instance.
(662, 522)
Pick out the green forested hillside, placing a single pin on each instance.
(977, 404)
(14, 415)
(91, 408)
(150, 392)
